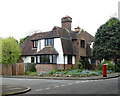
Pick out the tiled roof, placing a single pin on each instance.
(57, 32)
(68, 48)
(89, 37)
(74, 34)
(27, 46)
(48, 50)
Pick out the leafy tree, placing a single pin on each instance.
(10, 51)
(107, 41)
(23, 39)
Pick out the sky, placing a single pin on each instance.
(19, 18)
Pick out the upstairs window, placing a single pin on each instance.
(83, 43)
(35, 43)
(69, 59)
(49, 42)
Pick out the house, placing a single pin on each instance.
(59, 48)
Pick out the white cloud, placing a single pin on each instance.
(20, 17)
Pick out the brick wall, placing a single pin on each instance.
(79, 50)
(48, 67)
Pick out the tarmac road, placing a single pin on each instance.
(48, 86)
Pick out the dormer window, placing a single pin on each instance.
(49, 42)
(35, 43)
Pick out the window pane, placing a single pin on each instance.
(46, 58)
(52, 41)
(32, 59)
(49, 42)
(42, 59)
(38, 59)
(69, 59)
(45, 41)
(35, 43)
(82, 43)
(54, 59)
(50, 57)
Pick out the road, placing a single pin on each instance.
(48, 86)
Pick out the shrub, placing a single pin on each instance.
(58, 70)
(80, 66)
(110, 66)
(69, 69)
(32, 68)
(118, 69)
(72, 67)
(79, 70)
(87, 64)
(51, 72)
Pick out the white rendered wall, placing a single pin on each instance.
(27, 59)
(73, 59)
(42, 43)
(58, 47)
(66, 59)
(39, 46)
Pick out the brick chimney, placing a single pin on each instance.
(66, 22)
(77, 29)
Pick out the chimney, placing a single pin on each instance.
(66, 22)
(77, 29)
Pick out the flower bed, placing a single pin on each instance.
(69, 73)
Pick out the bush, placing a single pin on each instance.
(69, 69)
(72, 67)
(87, 64)
(80, 66)
(58, 70)
(79, 70)
(110, 66)
(118, 68)
(51, 72)
(32, 68)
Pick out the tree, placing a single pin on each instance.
(23, 39)
(10, 51)
(107, 41)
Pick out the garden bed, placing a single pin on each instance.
(68, 73)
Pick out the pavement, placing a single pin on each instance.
(13, 89)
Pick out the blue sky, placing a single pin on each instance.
(21, 17)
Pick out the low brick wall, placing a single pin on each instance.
(48, 67)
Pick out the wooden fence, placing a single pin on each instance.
(12, 69)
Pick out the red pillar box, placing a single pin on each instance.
(104, 70)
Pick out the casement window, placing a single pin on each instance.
(83, 43)
(69, 59)
(47, 59)
(35, 43)
(32, 59)
(49, 42)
